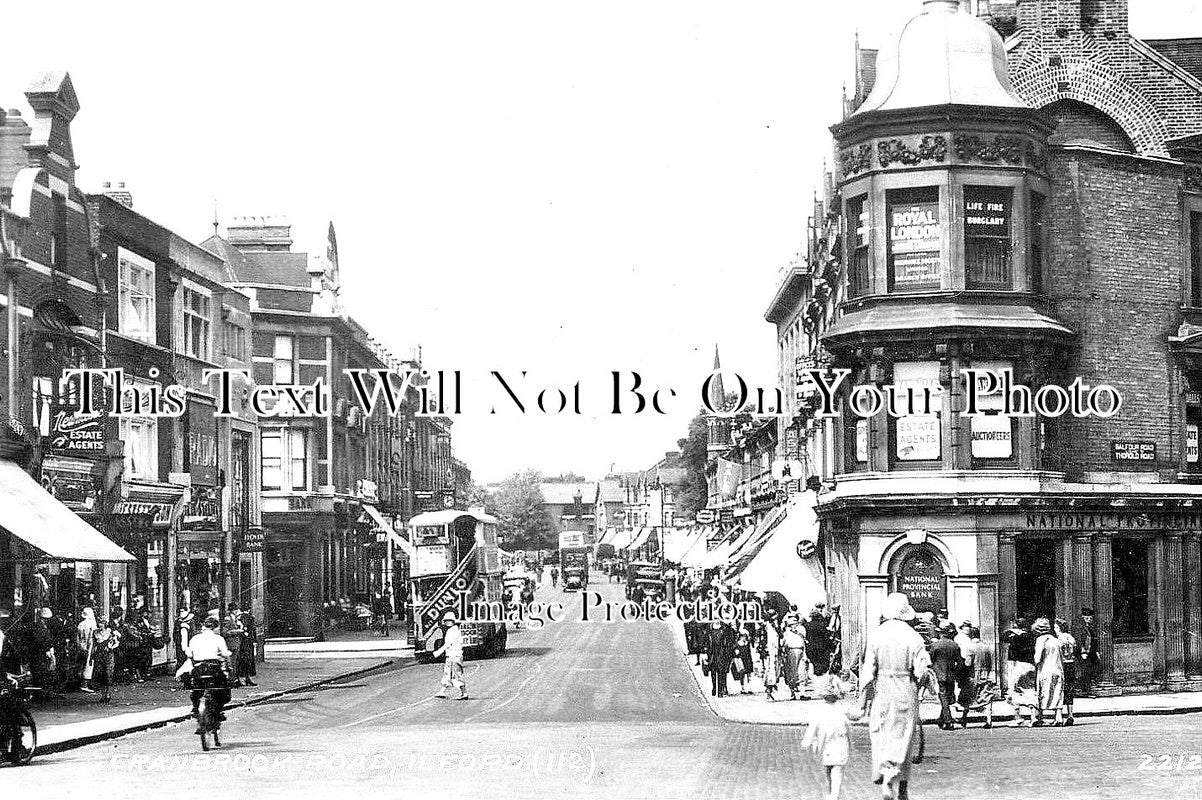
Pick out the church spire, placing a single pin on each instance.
(717, 391)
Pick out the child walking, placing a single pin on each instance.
(828, 736)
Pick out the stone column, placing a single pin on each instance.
(1103, 583)
(1082, 576)
(1193, 604)
(1007, 596)
(1174, 608)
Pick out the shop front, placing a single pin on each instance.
(988, 560)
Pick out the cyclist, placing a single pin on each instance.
(210, 657)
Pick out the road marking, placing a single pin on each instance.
(400, 708)
(537, 669)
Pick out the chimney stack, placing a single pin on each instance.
(118, 193)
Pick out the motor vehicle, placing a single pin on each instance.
(455, 560)
(573, 560)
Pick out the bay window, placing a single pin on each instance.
(917, 436)
(987, 237)
(915, 239)
(285, 459)
(991, 431)
(135, 295)
(197, 322)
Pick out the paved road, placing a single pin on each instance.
(583, 710)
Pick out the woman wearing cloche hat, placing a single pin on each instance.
(895, 662)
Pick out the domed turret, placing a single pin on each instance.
(942, 56)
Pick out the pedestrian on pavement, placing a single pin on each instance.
(828, 735)
(84, 633)
(722, 640)
(834, 630)
(233, 631)
(741, 666)
(895, 661)
(770, 654)
(1068, 656)
(948, 665)
(1020, 652)
(1087, 651)
(793, 638)
(1049, 671)
(106, 642)
(381, 610)
(963, 639)
(984, 686)
(818, 641)
(555, 576)
(181, 633)
(452, 646)
(247, 668)
(41, 656)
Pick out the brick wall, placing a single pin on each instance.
(1116, 266)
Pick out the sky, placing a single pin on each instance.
(559, 188)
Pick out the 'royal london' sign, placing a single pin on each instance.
(915, 242)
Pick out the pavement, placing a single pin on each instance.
(754, 706)
(588, 710)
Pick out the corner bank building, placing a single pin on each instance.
(1030, 203)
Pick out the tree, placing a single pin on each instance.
(479, 497)
(567, 477)
(525, 523)
(694, 449)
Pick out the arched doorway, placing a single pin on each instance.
(918, 572)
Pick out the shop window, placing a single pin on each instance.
(197, 322)
(917, 436)
(987, 237)
(1036, 578)
(991, 431)
(283, 361)
(135, 295)
(285, 460)
(1037, 236)
(859, 271)
(1131, 566)
(1195, 259)
(915, 240)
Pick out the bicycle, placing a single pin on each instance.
(18, 731)
(208, 718)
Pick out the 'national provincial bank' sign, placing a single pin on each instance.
(1115, 521)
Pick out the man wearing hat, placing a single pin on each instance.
(210, 658)
(1087, 643)
(895, 663)
(452, 645)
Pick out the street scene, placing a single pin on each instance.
(538, 400)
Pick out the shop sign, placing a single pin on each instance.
(992, 436)
(1191, 443)
(862, 440)
(251, 540)
(1115, 521)
(1132, 451)
(131, 529)
(159, 513)
(200, 428)
(77, 433)
(921, 580)
(705, 516)
(726, 515)
(1193, 398)
(915, 243)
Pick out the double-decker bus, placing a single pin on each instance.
(573, 560)
(455, 555)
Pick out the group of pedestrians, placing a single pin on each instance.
(1048, 666)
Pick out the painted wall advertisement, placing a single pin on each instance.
(201, 436)
(915, 242)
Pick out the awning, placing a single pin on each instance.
(31, 514)
(777, 567)
(377, 519)
(624, 537)
(640, 540)
(400, 541)
(739, 559)
(919, 320)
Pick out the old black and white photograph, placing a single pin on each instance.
(547, 398)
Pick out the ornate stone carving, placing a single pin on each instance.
(1037, 157)
(895, 151)
(1006, 149)
(855, 160)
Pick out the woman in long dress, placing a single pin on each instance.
(1049, 670)
(83, 647)
(895, 662)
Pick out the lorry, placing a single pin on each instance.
(645, 580)
(455, 561)
(573, 560)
